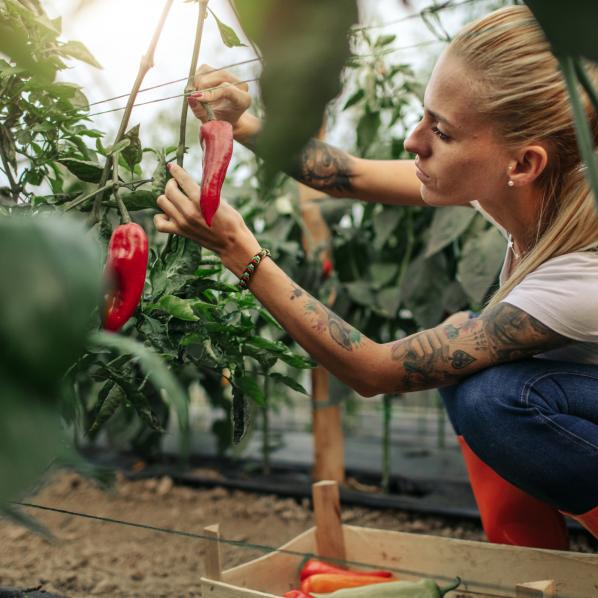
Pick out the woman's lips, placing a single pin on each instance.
(421, 175)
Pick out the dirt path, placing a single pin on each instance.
(93, 558)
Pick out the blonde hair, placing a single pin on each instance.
(523, 95)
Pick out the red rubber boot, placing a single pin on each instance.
(509, 515)
(589, 520)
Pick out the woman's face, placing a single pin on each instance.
(458, 156)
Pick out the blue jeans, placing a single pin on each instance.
(535, 422)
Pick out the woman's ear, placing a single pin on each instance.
(529, 165)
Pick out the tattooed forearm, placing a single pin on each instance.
(514, 334)
(322, 320)
(427, 359)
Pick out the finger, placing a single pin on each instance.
(171, 211)
(186, 182)
(164, 225)
(222, 91)
(207, 76)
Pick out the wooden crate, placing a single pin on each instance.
(487, 570)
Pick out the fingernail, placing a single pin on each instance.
(196, 94)
(168, 165)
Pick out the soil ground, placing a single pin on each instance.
(95, 558)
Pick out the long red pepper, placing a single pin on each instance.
(216, 137)
(316, 567)
(217, 142)
(126, 266)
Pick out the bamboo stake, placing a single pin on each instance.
(330, 541)
(190, 87)
(147, 61)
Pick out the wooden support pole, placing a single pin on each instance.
(213, 557)
(536, 589)
(330, 541)
(329, 460)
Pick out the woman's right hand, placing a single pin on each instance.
(229, 100)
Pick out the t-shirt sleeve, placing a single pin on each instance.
(562, 294)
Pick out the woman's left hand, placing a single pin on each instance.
(228, 236)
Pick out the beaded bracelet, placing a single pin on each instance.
(251, 268)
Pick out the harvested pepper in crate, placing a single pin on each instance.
(424, 588)
(314, 566)
(329, 582)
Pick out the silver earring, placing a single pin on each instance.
(510, 183)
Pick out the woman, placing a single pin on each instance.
(520, 381)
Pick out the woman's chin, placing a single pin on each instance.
(439, 200)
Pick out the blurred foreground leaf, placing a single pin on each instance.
(305, 45)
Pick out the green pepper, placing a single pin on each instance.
(424, 588)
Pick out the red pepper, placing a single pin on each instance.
(327, 268)
(315, 567)
(126, 265)
(217, 142)
(296, 594)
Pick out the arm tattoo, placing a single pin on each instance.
(514, 334)
(444, 354)
(323, 319)
(319, 166)
(428, 360)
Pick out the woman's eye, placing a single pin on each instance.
(440, 134)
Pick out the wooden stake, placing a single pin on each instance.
(536, 589)
(213, 558)
(329, 460)
(330, 541)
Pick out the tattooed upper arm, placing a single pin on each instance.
(446, 353)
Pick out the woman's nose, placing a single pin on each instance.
(415, 142)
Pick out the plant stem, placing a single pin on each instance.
(124, 214)
(387, 408)
(266, 426)
(14, 186)
(201, 17)
(79, 200)
(147, 61)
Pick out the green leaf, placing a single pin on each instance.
(482, 257)
(423, 286)
(367, 130)
(114, 399)
(385, 222)
(305, 45)
(153, 367)
(384, 40)
(361, 292)
(178, 308)
(118, 147)
(287, 381)
(297, 361)
(75, 49)
(142, 199)
(263, 343)
(448, 224)
(133, 153)
(356, 97)
(206, 272)
(52, 278)
(572, 31)
(249, 386)
(85, 170)
(228, 35)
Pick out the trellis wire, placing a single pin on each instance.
(249, 545)
(194, 535)
(430, 9)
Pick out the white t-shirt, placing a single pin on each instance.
(562, 294)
